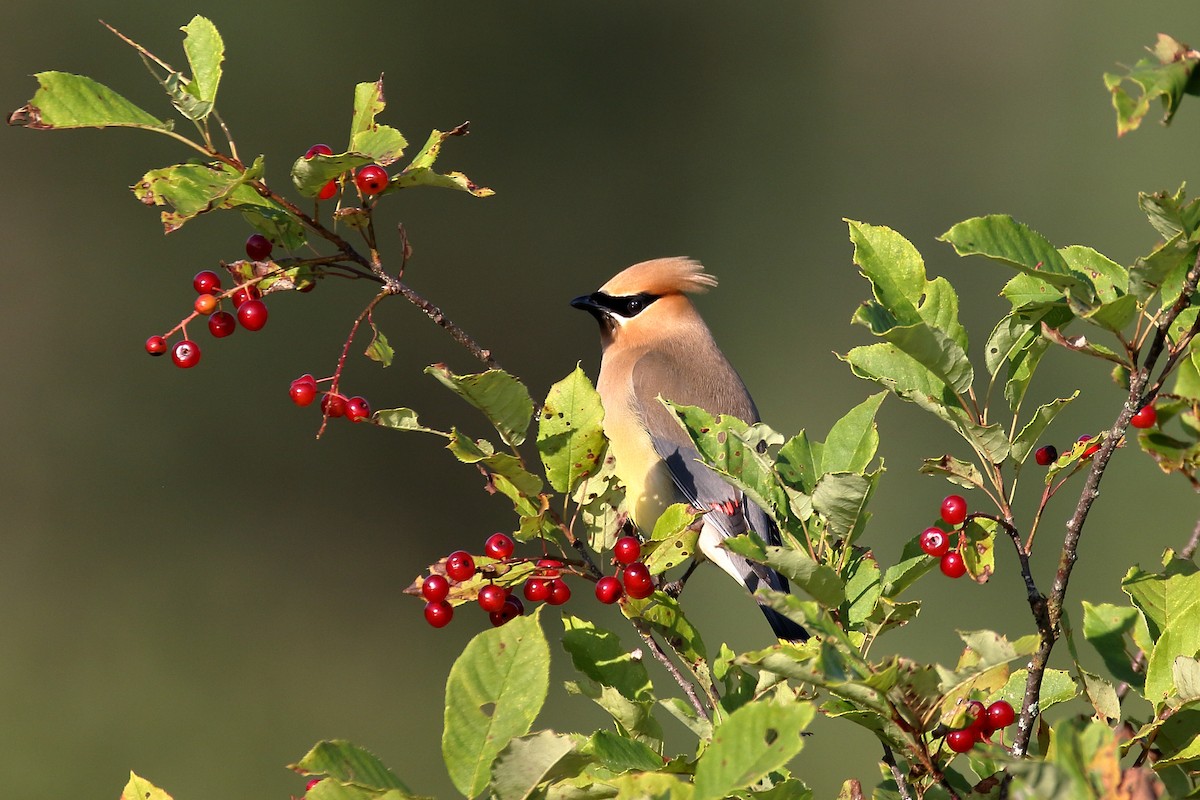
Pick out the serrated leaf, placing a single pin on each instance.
(958, 472)
(842, 498)
(420, 173)
(1105, 626)
(348, 763)
(1110, 278)
(1166, 80)
(379, 349)
(1057, 687)
(1161, 269)
(1027, 291)
(670, 551)
(1031, 434)
(138, 788)
(525, 762)
(493, 694)
(863, 588)
(66, 101)
(309, 175)
(755, 740)
(570, 436)
(799, 462)
(1171, 214)
(599, 654)
(404, 419)
(382, 143)
(502, 465)
(633, 717)
(818, 580)
(853, 439)
(1002, 238)
(197, 188)
(503, 399)
(912, 565)
(620, 754)
(205, 51)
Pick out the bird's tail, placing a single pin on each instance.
(784, 627)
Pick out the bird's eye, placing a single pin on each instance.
(633, 306)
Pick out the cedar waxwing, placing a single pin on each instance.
(655, 344)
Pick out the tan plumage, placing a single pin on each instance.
(655, 344)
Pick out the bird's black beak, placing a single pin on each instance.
(590, 304)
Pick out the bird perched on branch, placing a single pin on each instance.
(655, 344)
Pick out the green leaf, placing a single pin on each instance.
(195, 188)
(64, 101)
(379, 349)
(620, 754)
(634, 718)
(348, 763)
(382, 143)
(1167, 80)
(863, 588)
(1027, 291)
(1001, 238)
(1057, 687)
(493, 694)
(503, 399)
(420, 173)
(205, 51)
(1080, 344)
(404, 419)
(853, 439)
(1159, 270)
(599, 654)
(799, 462)
(842, 498)
(651, 786)
(666, 617)
(1105, 626)
(818, 580)
(138, 788)
(1171, 215)
(958, 472)
(670, 551)
(1027, 440)
(570, 436)
(734, 449)
(1110, 278)
(912, 565)
(755, 740)
(502, 465)
(897, 274)
(525, 762)
(310, 175)
(907, 379)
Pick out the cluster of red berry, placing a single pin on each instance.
(983, 723)
(304, 390)
(246, 299)
(1145, 418)
(634, 577)
(936, 542)
(371, 179)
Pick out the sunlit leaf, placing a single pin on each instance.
(570, 436)
(205, 51)
(503, 399)
(64, 100)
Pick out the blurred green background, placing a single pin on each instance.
(195, 588)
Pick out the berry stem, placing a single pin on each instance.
(337, 373)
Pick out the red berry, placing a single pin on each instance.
(1000, 714)
(328, 191)
(559, 592)
(253, 315)
(492, 598)
(549, 567)
(952, 565)
(498, 546)
(371, 179)
(247, 292)
(627, 550)
(206, 282)
(608, 590)
(1046, 455)
(961, 741)
(954, 509)
(976, 715)
(1147, 417)
(303, 390)
(156, 345)
(435, 588)
(311, 784)
(1091, 451)
(357, 409)
(318, 150)
(259, 247)
(460, 566)
(512, 609)
(333, 405)
(185, 354)
(205, 304)
(638, 583)
(537, 590)
(438, 613)
(935, 542)
(221, 324)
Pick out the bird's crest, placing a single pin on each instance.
(662, 276)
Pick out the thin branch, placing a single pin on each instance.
(665, 660)
(889, 758)
(1049, 633)
(1189, 549)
